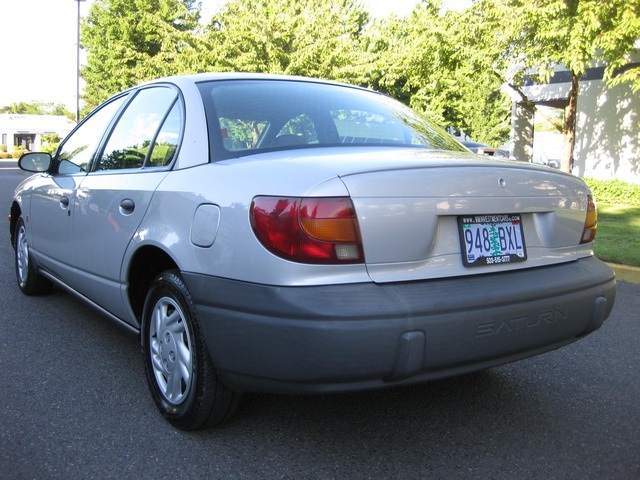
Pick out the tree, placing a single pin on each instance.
(24, 108)
(37, 108)
(130, 41)
(622, 30)
(49, 142)
(431, 60)
(519, 38)
(317, 38)
(382, 45)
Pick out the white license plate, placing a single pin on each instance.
(491, 239)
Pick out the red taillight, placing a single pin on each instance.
(590, 222)
(309, 230)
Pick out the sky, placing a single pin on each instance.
(40, 39)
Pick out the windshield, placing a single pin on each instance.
(248, 116)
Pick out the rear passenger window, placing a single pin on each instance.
(147, 132)
(165, 145)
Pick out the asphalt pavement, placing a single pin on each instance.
(75, 405)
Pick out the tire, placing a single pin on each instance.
(29, 280)
(183, 381)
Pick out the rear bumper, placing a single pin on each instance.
(361, 336)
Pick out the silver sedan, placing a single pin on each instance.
(281, 234)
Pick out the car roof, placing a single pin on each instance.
(217, 76)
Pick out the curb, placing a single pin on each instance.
(623, 272)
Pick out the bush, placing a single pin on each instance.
(4, 155)
(614, 192)
(50, 142)
(18, 151)
(49, 147)
(3, 148)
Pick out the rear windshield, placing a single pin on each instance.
(248, 116)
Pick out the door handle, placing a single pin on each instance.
(127, 206)
(64, 202)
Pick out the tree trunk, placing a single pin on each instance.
(569, 128)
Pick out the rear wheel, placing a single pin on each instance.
(29, 280)
(182, 379)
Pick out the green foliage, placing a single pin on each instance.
(436, 62)
(131, 41)
(18, 151)
(614, 192)
(516, 38)
(621, 22)
(128, 42)
(37, 108)
(23, 108)
(316, 38)
(49, 142)
(3, 148)
(381, 46)
(618, 237)
(539, 34)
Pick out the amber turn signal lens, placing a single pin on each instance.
(330, 229)
(590, 222)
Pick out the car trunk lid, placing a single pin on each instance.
(410, 217)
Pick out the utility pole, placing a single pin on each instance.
(78, 65)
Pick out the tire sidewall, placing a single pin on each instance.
(170, 284)
(27, 286)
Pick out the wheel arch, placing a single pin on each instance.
(146, 264)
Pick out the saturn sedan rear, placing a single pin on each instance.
(280, 234)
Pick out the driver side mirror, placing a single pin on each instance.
(36, 162)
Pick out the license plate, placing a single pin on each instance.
(491, 239)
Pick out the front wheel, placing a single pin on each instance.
(181, 376)
(29, 280)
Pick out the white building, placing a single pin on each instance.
(607, 144)
(27, 130)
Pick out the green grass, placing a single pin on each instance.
(618, 236)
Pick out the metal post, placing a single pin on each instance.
(78, 65)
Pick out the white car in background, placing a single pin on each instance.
(281, 234)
